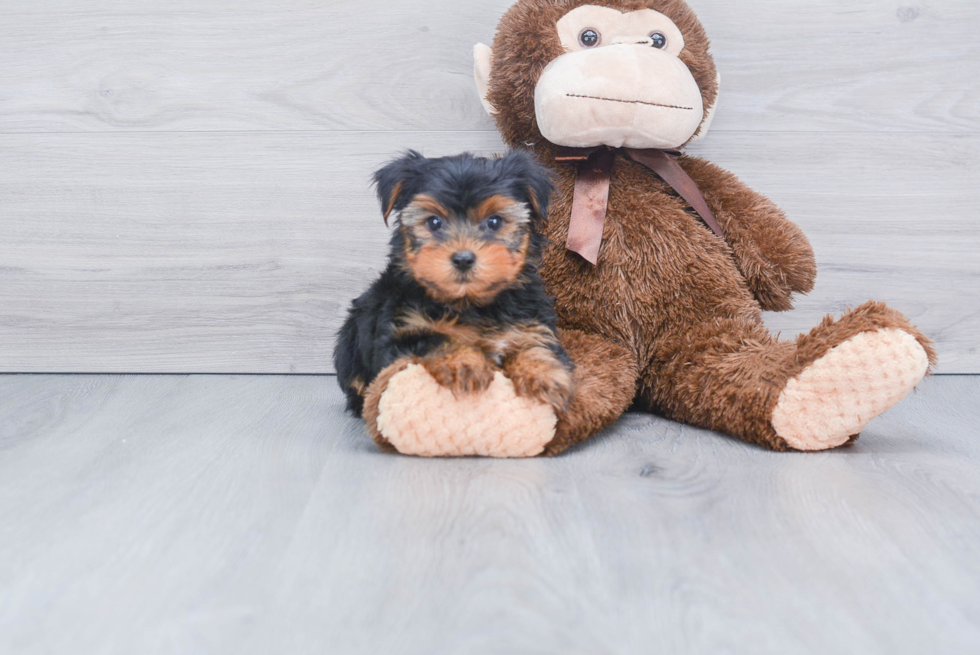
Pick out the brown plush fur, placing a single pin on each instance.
(672, 314)
(605, 384)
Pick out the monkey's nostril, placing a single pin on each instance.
(464, 260)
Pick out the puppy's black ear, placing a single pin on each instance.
(397, 182)
(534, 181)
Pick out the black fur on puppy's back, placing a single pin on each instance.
(369, 340)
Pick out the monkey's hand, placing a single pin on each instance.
(462, 370)
(538, 373)
(771, 252)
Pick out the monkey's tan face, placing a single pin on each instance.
(620, 80)
(619, 84)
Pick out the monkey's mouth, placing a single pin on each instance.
(629, 102)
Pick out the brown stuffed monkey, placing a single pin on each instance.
(660, 264)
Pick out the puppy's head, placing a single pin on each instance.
(468, 227)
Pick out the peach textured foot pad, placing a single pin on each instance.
(418, 416)
(836, 396)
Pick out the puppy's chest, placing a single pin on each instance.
(497, 341)
(503, 343)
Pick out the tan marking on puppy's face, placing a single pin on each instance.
(497, 268)
(496, 232)
(499, 204)
(421, 207)
(515, 219)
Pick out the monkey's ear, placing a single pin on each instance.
(482, 64)
(709, 115)
(397, 182)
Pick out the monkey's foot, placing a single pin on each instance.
(418, 416)
(837, 395)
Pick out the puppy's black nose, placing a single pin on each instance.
(464, 260)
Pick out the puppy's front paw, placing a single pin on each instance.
(462, 371)
(537, 373)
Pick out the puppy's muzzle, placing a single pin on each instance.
(464, 260)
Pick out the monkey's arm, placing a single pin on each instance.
(771, 252)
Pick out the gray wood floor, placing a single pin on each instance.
(184, 188)
(250, 515)
(184, 185)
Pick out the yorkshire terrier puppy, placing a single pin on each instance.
(461, 294)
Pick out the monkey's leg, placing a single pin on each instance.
(605, 386)
(817, 393)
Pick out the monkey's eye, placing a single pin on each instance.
(434, 223)
(494, 223)
(659, 40)
(589, 37)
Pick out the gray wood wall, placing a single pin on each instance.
(184, 185)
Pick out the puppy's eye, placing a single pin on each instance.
(589, 37)
(434, 223)
(494, 223)
(659, 40)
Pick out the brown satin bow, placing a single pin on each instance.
(591, 198)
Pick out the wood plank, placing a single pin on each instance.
(136, 65)
(140, 501)
(248, 515)
(837, 65)
(189, 252)
(239, 253)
